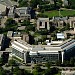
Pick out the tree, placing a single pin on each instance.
(11, 24)
(48, 64)
(66, 63)
(18, 71)
(71, 4)
(25, 23)
(59, 3)
(48, 72)
(67, 27)
(23, 3)
(2, 71)
(34, 3)
(55, 2)
(1, 61)
(29, 28)
(72, 60)
(37, 70)
(12, 62)
(51, 71)
(58, 63)
(37, 67)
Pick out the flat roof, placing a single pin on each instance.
(9, 34)
(20, 44)
(2, 8)
(26, 46)
(43, 19)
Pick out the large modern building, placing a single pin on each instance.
(42, 53)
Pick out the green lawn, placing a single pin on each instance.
(63, 13)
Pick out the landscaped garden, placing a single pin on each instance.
(62, 13)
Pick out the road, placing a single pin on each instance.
(21, 67)
(31, 69)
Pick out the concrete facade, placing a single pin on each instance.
(43, 23)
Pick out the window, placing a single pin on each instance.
(40, 23)
(46, 25)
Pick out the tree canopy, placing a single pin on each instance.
(11, 24)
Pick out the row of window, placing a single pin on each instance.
(17, 53)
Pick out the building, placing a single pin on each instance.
(42, 53)
(59, 22)
(10, 34)
(11, 13)
(21, 28)
(36, 53)
(3, 9)
(43, 23)
(65, 2)
(16, 35)
(60, 36)
(71, 21)
(23, 12)
(25, 37)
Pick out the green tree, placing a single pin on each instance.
(2, 71)
(48, 72)
(1, 61)
(37, 70)
(11, 24)
(71, 4)
(72, 60)
(66, 63)
(30, 28)
(34, 3)
(67, 27)
(12, 62)
(18, 71)
(51, 71)
(25, 23)
(58, 63)
(23, 3)
(48, 64)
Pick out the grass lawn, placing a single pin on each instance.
(63, 13)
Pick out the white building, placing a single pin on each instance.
(41, 53)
